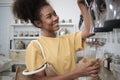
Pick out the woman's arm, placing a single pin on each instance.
(86, 17)
(82, 69)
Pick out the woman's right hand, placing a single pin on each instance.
(88, 67)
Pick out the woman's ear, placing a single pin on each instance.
(38, 23)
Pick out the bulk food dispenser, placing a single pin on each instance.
(106, 16)
(111, 49)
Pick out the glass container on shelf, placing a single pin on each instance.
(26, 33)
(20, 45)
(118, 36)
(15, 33)
(108, 47)
(115, 65)
(36, 33)
(112, 47)
(31, 33)
(62, 31)
(116, 44)
(108, 50)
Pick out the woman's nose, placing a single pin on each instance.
(55, 18)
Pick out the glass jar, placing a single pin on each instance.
(116, 59)
(19, 45)
(100, 12)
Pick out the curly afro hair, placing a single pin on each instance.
(28, 9)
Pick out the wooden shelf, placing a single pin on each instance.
(16, 50)
(25, 38)
(66, 24)
(17, 25)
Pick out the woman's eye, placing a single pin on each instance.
(49, 16)
(55, 14)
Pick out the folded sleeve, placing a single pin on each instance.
(34, 59)
(76, 42)
(79, 43)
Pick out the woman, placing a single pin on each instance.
(59, 51)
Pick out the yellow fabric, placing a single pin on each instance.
(34, 59)
(59, 51)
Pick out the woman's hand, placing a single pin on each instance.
(83, 1)
(88, 21)
(88, 67)
(79, 1)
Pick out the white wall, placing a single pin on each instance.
(66, 9)
(5, 20)
(5, 1)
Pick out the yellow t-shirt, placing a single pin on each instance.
(59, 51)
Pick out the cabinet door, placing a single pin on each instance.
(17, 56)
